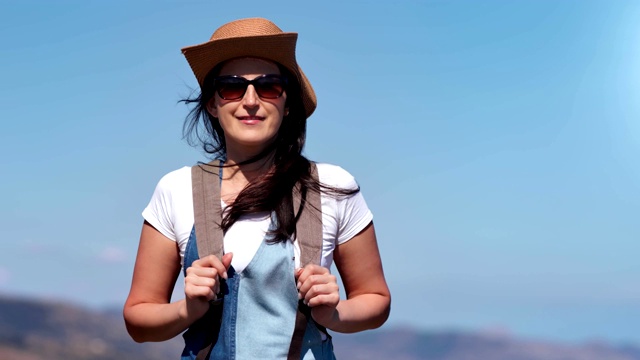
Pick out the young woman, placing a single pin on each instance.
(251, 114)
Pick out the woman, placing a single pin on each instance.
(251, 114)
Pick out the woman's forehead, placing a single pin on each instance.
(249, 66)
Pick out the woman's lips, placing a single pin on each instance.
(250, 120)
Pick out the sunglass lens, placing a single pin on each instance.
(269, 87)
(232, 89)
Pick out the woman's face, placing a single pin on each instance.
(251, 122)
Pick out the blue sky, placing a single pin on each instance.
(497, 143)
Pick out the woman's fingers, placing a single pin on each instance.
(212, 261)
(202, 276)
(313, 283)
(302, 274)
(226, 262)
(317, 286)
(322, 294)
(194, 291)
(207, 272)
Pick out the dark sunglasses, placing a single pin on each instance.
(233, 87)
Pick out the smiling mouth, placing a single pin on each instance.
(244, 118)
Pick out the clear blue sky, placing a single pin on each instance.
(497, 143)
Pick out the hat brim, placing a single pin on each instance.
(280, 48)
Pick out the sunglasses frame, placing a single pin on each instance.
(255, 82)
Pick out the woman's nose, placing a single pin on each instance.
(250, 97)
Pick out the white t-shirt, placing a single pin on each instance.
(170, 211)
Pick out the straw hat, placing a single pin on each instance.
(255, 37)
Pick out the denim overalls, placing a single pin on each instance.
(258, 311)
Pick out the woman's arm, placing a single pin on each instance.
(148, 313)
(368, 299)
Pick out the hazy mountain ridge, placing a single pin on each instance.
(49, 330)
(38, 330)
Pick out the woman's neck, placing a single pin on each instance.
(238, 176)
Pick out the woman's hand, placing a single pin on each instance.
(368, 300)
(319, 290)
(202, 283)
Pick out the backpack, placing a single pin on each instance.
(206, 180)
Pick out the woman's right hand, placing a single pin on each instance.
(201, 284)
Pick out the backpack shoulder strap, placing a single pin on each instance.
(205, 180)
(207, 212)
(308, 211)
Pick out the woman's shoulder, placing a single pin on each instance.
(335, 176)
(176, 177)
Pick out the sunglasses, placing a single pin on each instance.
(233, 87)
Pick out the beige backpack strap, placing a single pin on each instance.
(207, 212)
(309, 236)
(309, 224)
(205, 180)
(205, 187)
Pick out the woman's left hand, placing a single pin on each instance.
(319, 290)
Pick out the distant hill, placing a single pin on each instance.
(38, 330)
(398, 344)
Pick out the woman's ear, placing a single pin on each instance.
(212, 108)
